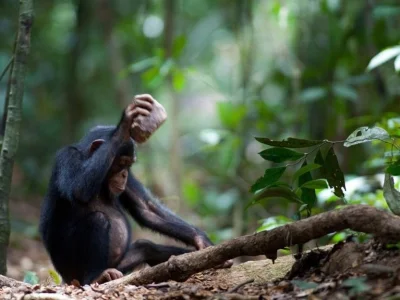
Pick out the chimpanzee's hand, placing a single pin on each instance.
(108, 275)
(203, 242)
(140, 106)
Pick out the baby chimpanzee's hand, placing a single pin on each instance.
(108, 275)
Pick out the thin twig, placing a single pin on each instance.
(237, 287)
(157, 285)
(97, 289)
(6, 68)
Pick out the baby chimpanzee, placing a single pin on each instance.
(83, 222)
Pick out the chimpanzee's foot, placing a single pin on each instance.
(108, 275)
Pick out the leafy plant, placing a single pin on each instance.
(304, 285)
(319, 169)
(55, 277)
(356, 285)
(384, 56)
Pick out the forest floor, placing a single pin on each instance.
(348, 270)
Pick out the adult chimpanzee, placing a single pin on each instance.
(83, 225)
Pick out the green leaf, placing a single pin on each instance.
(383, 57)
(31, 278)
(385, 11)
(397, 64)
(55, 277)
(308, 196)
(317, 184)
(144, 64)
(394, 168)
(356, 285)
(345, 91)
(191, 191)
(166, 67)
(303, 208)
(313, 94)
(273, 222)
(365, 134)
(333, 173)
(319, 160)
(270, 176)
(305, 169)
(290, 142)
(279, 155)
(392, 153)
(304, 285)
(391, 195)
(231, 115)
(178, 80)
(277, 192)
(178, 46)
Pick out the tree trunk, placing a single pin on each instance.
(75, 107)
(13, 124)
(175, 148)
(115, 56)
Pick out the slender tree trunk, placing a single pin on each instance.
(175, 150)
(74, 103)
(7, 98)
(13, 123)
(116, 60)
(245, 36)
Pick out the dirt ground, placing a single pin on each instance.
(346, 271)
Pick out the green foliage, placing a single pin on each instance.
(273, 222)
(305, 192)
(55, 277)
(384, 56)
(308, 196)
(277, 192)
(330, 173)
(306, 168)
(391, 195)
(394, 168)
(356, 285)
(279, 155)
(366, 134)
(314, 184)
(270, 177)
(290, 142)
(231, 114)
(304, 285)
(330, 169)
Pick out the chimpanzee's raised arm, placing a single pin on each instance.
(148, 212)
(81, 169)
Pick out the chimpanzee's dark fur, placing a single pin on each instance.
(78, 239)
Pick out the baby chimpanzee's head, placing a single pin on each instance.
(118, 175)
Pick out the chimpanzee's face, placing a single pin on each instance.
(119, 174)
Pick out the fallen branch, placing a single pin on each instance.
(6, 281)
(360, 218)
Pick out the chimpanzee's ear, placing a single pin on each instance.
(95, 145)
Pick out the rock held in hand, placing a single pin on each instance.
(144, 126)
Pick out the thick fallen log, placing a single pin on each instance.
(360, 218)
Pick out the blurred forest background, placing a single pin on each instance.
(226, 71)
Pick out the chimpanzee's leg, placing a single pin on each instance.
(144, 251)
(89, 256)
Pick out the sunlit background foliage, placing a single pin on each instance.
(226, 71)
